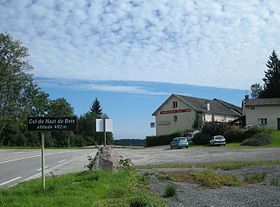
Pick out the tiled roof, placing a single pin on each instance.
(262, 102)
(216, 106)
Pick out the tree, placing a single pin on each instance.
(14, 79)
(256, 89)
(60, 107)
(271, 88)
(96, 108)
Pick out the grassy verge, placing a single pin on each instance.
(216, 165)
(100, 189)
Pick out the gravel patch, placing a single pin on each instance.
(193, 195)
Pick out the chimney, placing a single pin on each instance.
(208, 106)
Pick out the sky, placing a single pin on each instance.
(132, 54)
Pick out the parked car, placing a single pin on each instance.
(179, 142)
(217, 140)
(248, 127)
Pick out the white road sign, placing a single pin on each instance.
(100, 125)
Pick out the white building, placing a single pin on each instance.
(265, 112)
(179, 113)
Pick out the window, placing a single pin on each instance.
(174, 104)
(175, 118)
(262, 121)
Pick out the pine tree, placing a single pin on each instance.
(96, 108)
(271, 88)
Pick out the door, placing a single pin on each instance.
(278, 124)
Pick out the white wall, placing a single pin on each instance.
(269, 112)
(165, 123)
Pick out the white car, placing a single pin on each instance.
(217, 140)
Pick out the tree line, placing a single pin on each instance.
(21, 97)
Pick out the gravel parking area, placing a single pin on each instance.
(164, 155)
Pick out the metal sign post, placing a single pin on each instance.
(104, 131)
(43, 160)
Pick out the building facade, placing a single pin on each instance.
(179, 113)
(264, 112)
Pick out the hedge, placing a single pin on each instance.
(161, 140)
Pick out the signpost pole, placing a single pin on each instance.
(43, 160)
(104, 130)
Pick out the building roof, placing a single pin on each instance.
(262, 102)
(200, 105)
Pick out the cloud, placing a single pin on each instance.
(97, 86)
(222, 43)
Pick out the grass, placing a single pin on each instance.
(99, 189)
(216, 165)
(170, 190)
(255, 178)
(274, 181)
(275, 139)
(206, 179)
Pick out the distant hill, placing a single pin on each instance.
(130, 142)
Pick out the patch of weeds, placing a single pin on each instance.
(274, 181)
(163, 176)
(255, 178)
(139, 202)
(170, 190)
(216, 165)
(206, 179)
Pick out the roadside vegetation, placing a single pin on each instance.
(124, 188)
(206, 178)
(216, 165)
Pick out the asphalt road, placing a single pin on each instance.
(20, 165)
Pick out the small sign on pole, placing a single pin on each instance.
(49, 124)
(104, 125)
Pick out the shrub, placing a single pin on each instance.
(258, 140)
(170, 190)
(209, 129)
(214, 128)
(233, 134)
(161, 140)
(250, 132)
(201, 138)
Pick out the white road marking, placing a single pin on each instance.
(12, 160)
(41, 169)
(61, 161)
(6, 161)
(9, 181)
(16, 153)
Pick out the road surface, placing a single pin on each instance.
(20, 165)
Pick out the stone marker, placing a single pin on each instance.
(106, 159)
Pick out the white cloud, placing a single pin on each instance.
(97, 86)
(221, 43)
